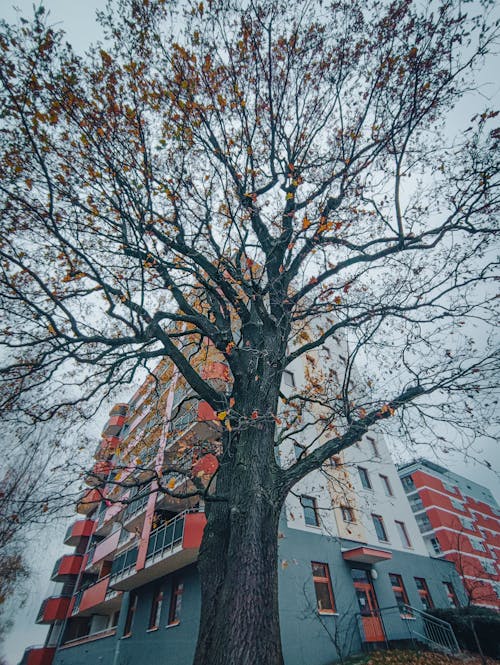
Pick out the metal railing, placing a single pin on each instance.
(414, 624)
(124, 562)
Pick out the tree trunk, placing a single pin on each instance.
(239, 622)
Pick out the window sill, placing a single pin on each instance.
(173, 625)
(407, 617)
(326, 613)
(153, 629)
(126, 637)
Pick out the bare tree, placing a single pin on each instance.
(260, 178)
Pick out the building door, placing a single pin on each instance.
(368, 606)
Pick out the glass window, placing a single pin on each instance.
(154, 617)
(416, 503)
(378, 523)
(175, 603)
(435, 545)
(408, 484)
(347, 514)
(299, 450)
(489, 567)
(466, 523)
(323, 588)
(288, 379)
(423, 522)
(451, 595)
(400, 594)
(423, 592)
(403, 534)
(365, 478)
(132, 606)
(477, 544)
(310, 510)
(386, 485)
(373, 446)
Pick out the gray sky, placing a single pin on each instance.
(77, 17)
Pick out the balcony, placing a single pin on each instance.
(171, 546)
(39, 655)
(77, 531)
(119, 410)
(54, 608)
(97, 598)
(107, 447)
(66, 567)
(89, 502)
(113, 426)
(99, 473)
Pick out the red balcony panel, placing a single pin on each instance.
(40, 655)
(89, 502)
(206, 466)
(66, 567)
(215, 370)
(53, 609)
(120, 409)
(193, 530)
(77, 531)
(114, 425)
(94, 595)
(106, 547)
(205, 412)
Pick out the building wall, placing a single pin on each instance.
(463, 519)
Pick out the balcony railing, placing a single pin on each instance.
(124, 562)
(166, 536)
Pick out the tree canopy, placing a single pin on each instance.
(261, 177)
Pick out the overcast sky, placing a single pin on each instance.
(77, 18)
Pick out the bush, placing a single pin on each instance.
(486, 622)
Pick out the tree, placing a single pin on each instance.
(259, 178)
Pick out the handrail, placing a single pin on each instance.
(436, 632)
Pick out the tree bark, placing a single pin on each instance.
(239, 622)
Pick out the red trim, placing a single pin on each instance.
(353, 555)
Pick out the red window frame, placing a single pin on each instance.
(154, 616)
(451, 594)
(424, 593)
(379, 520)
(400, 594)
(175, 603)
(403, 533)
(132, 607)
(321, 577)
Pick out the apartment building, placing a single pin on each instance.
(354, 568)
(459, 521)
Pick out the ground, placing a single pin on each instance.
(417, 658)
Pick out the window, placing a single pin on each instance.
(378, 523)
(299, 450)
(288, 379)
(457, 504)
(175, 603)
(347, 514)
(467, 523)
(408, 484)
(400, 594)
(373, 446)
(132, 606)
(435, 545)
(365, 478)
(323, 588)
(423, 592)
(477, 544)
(386, 485)
(423, 523)
(310, 510)
(450, 593)
(326, 351)
(403, 534)
(489, 567)
(154, 617)
(416, 503)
